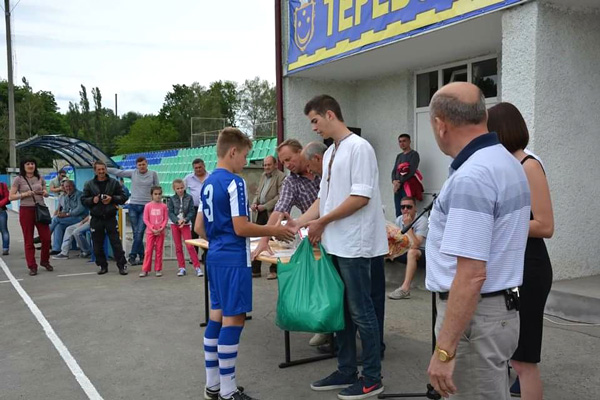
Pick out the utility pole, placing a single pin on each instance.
(116, 108)
(12, 141)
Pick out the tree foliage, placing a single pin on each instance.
(225, 98)
(147, 134)
(222, 103)
(257, 105)
(99, 126)
(36, 113)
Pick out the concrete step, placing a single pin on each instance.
(572, 299)
(576, 299)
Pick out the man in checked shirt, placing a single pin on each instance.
(300, 188)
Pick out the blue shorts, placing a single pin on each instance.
(230, 289)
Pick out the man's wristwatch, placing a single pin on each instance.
(443, 355)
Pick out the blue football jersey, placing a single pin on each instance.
(224, 197)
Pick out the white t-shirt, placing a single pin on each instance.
(353, 172)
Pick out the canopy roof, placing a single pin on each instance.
(77, 152)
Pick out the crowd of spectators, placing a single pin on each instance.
(496, 189)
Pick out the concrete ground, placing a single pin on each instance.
(139, 339)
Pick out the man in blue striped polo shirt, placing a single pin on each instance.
(475, 249)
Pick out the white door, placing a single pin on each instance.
(434, 164)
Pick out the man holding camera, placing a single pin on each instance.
(103, 195)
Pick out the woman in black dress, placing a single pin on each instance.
(507, 121)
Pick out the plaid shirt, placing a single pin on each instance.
(297, 191)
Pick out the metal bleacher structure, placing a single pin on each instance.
(170, 165)
(177, 163)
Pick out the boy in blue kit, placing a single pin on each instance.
(226, 225)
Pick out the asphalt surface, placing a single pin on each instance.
(139, 338)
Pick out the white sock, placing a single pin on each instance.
(229, 339)
(211, 356)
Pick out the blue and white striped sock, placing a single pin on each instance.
(211, 359)
(229, 340)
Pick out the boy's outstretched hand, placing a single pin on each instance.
(284, 232)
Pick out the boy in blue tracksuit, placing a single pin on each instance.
(225, 224)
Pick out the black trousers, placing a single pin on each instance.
(261, 219)
(101, 228)
(195, 236)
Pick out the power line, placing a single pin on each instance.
(15, 6)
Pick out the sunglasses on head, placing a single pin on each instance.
(407, 206)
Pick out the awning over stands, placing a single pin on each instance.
(79, 153)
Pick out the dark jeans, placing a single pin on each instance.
(194, 234)
(364, 308)
(398, 199)
(136, 216)
(4, 230)
(261, 219)
(378, 294)
(101, 227)
(58, 228)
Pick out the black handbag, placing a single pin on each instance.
(42, 213)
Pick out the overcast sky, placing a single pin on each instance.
(138, 49)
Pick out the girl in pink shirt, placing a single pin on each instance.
(155, 218)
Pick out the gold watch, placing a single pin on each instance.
(443, 355)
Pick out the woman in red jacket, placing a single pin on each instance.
(4, 200)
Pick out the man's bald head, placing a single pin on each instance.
(314, 148)
(313, 152)
(459, 104)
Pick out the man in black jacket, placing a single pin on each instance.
(103, 195)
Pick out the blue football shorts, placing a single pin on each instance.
(230, 289)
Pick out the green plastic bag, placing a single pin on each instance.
(311, 293)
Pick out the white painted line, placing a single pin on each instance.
(83, 380)
(83, 273)
(9, 281)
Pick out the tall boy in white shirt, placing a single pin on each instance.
(347, 218)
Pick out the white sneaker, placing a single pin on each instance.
(399, 294)
(159, 273)
(320, 339)
(60, 256)
(143, 274)
(181, 272)
(199, 272)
